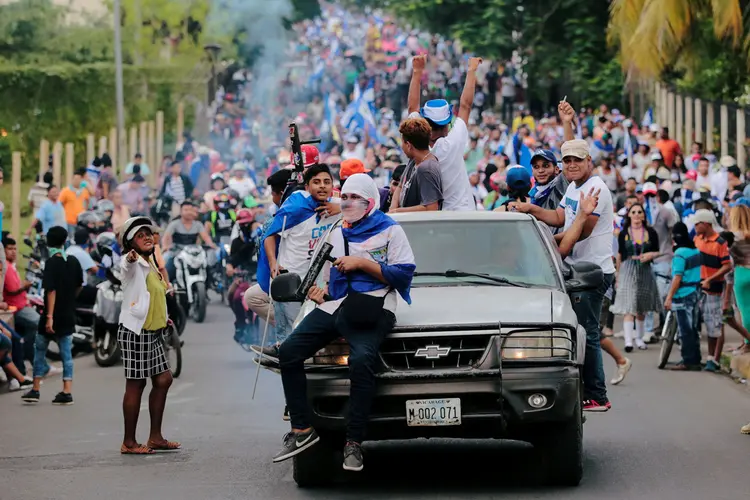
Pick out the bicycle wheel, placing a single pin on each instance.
(668, 334)
(174, 350)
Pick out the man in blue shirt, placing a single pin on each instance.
(683, 295)
(51, 213)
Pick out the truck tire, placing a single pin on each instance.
(317, 466)
(561, 450)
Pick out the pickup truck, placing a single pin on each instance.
(489, 348)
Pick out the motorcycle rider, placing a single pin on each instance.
(218, 184)
(220, 221)
(181, 232)
(241, 254)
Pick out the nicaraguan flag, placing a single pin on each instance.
(648, 118)
(384, 241)
(298, 208)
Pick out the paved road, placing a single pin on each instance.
(669, 436)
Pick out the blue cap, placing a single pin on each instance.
(546, 154)
(437, 111)
(740, 201)
(518, 178)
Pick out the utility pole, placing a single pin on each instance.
(118, 80)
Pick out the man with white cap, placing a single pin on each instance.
(595, 246)
(448, 143)
(240, 181)
(354, 148)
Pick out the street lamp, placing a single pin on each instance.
(212, 51)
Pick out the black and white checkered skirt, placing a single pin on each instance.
(143, 356)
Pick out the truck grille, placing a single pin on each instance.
(420, 353)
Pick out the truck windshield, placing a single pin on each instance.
(507, 249)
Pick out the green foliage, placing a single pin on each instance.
(65, 102)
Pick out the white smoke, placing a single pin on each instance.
(263, 22)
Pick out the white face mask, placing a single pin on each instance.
(354, 210)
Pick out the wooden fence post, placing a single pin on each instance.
(657, 103)
(70, 161)
(15, 225)
(144, 145)
(670, 113)
(741, 138)
(135, 146)
(90, 148)
(180, 121)
(102, 146)
(709, 128)
(151, 146)
(114, 145)
(43, 158)
(724, 124)
(688, 123)
(57, 163)
(699, 121)
(159, 153)
(679, 102)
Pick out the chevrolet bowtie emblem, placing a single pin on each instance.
(432, 352)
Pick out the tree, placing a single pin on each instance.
(702, 46)
(562, 41)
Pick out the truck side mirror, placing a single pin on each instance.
(284, 288)
(584, 276)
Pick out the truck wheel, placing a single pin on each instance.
(561, 450)
(317, 466)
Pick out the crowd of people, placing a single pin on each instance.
(407, 122)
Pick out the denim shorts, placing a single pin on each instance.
(713, 315)
(5, 345)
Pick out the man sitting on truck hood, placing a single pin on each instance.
(373, 261)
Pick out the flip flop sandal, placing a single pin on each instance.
(136, 450)
(166, 446)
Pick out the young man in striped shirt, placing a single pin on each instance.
(715, 264)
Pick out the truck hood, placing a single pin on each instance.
(440, 306)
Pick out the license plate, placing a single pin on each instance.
(433, 412)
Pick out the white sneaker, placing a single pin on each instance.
(3, 377)
(14, 385)
(640, 344)
(648, 337)
(622, 371)
(53, 370)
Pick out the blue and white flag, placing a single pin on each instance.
(518, 153)
(360, 114)
(298, 208)
(648, 118)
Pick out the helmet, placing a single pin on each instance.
(234, 197)
(89, 219)
(218, 177)
(105, 206)
(310, 155)
(105, 240)
(132, 225)
(245, 216)
(222, 200)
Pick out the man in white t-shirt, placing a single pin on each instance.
(448, 143)
(354, 149)
(595, 246)
(241, 183)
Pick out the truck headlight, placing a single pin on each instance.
(534, 344)
(336, 353)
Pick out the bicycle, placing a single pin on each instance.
(173, 348)
(668, 338)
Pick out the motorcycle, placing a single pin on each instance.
(161, 211)
(107, 315)
(82, 337)
(191, 263)
(218, 280)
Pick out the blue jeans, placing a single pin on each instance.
(65, 343)
(588, 308)
(317, 330)
(6, 346)
(686, 312)
(285, 313)
(27, 323)
(169, 266)
(663, 272)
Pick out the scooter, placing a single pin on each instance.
(191, 264)
(83, 336)
(218, 280)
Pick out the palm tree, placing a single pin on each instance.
(658, 35)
